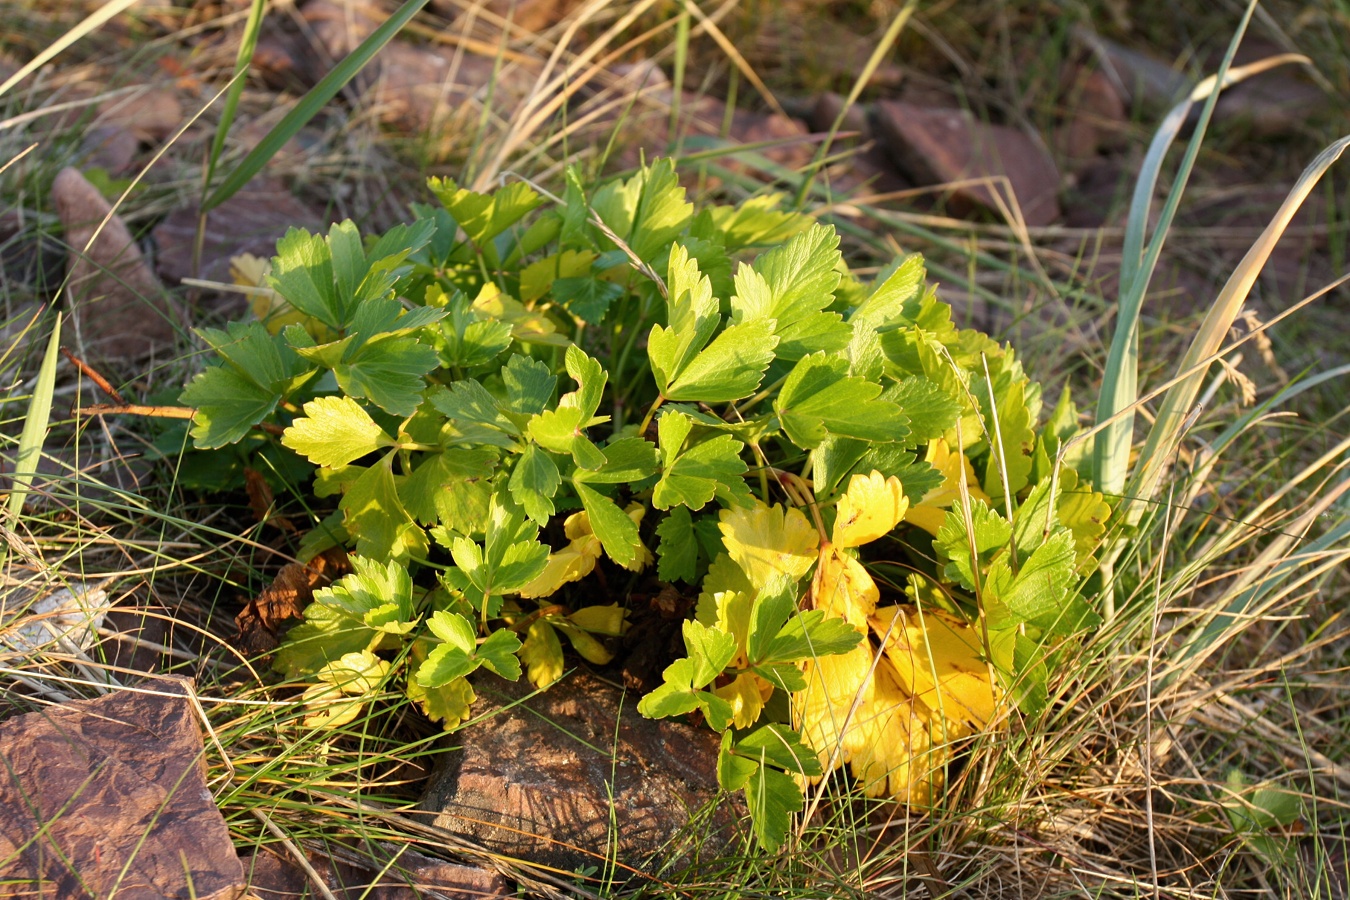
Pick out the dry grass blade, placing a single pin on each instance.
(87, 26)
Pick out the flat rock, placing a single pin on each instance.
(249, 222)
(937, 146)
(527, 15)
(535, 781)
(119, 308)
(272, 876)
(109, 795)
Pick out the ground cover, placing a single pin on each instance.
(1146, 694)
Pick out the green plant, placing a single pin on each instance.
(417, 373)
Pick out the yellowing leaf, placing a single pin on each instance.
(841, 587)
(343, 689)
(644, 556)
(572, 563)
(249, 271)
(821, 711)
(542, 654)
(930, 512)
(870, 508)
(449, 703)
(590, 648)
(611, 620)
(733, 617)
(746, 695)
(723, 575)
(769, 542)
(938, 659)
(894, 753)
(527, 326)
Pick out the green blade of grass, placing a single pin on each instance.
(247, 45)
(87, 26)
(1168, 428)
(35, 424)
(311, 103)
(1120, 388)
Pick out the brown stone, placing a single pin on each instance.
(272, 876)
(527, 15)
(120, 310)
(151, 115)
(249, 222)
(553, 781)
(939, 146)
(1097, 119)
(111, 148)
(107, 795)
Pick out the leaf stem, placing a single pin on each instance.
(647, 419)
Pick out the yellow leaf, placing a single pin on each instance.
(821, 710)
(733, 617)
(584, 643)
(870, 508)
(723, 575)
(746, 696)
(542, 654)
(896, 756)
(355, 675)
(930, 512)
(769, 542)
(841, 587)
(939, 660)
(644, 557)
(572, 563)
(611, 620)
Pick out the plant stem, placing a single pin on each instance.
(647, 419)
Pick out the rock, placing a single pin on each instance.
(535, 780)
(151, 115)
(826, 110)
(42, 614)
(1097, 118)
(938, 146)
(110, 794)
(249, 222)
(1275, 102)
(272, 876)
(119, 309)
(1138, 76)
(111, 148)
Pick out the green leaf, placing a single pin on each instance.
(348, 617)
(373, 512)
(772, 798)
(484, 216)
(228, 405)
(820, 398)
(390, 372)
(266, 360)
(1043, 593)
(677, 554)
(791, 285)
(627, 460)
(618, 533)
(1015, 430)
(561, 430)
(992, 533)
(587, 298)
(733, 772)
(710, 649)
(498, 653)
(467, 401)
(780, 747)
(810, 635)
(673, 697)
(454, 471)
(529, 385)
(335, 431)
(885, 307)
(533, 483)
(757, 222)
(692, 478)
(931, 411)
(467, 340)
(647, 211)
(730, 368)
(692, 317)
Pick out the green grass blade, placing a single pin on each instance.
(35, 424)
(1120, 388)
(1168, 428)
(247, 45)
(87, 26)
(311, 103)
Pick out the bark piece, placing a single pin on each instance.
(535, 781)
(106, 794)
(120, 309)
(937, 146)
